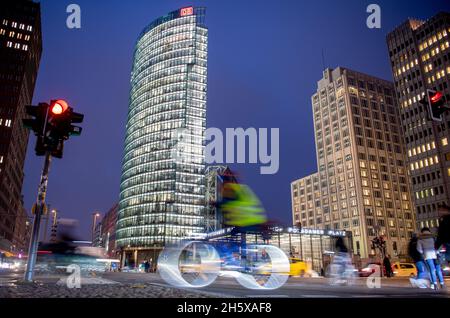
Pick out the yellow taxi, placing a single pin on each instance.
(404, 269)
(298, 267)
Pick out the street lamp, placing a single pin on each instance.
(95, 215)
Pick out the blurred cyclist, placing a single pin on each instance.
(341, 270)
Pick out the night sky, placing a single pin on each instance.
(264, 61)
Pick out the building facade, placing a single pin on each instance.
(162, 193)
(304, 195)
(97, 240)
(108, 231)
(20, 53)
(419, 54)
(22, 232)
(216, 176)
(362, 183)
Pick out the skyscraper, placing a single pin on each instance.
(162, 192)
(362, 183)
(20, 53)
(419, 53)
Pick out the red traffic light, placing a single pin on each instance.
(58, 107)
(436, 97)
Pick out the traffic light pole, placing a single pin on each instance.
(39, 211)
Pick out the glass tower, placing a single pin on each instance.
(162, 191)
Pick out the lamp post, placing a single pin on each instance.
(95, 215)
(54, 226)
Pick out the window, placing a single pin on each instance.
(444, 141)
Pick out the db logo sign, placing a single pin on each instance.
(187, 11)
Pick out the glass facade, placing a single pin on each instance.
(162, 197)
(313, 246)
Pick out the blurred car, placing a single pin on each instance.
(401, 269)
(298, 267)
(446, 270)
(444, 257)
(370, 269)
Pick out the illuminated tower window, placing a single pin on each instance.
(162, 199)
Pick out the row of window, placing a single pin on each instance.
(431, 192)
(423, 163)
(20, 26)
(17, 45)
(13, 34)
(425, 147)
(5, 122)
(426, 177)
(438, 75)
(433, 39)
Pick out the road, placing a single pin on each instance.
(295, 287)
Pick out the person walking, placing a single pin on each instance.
(387, 266)
(417, 257)
(146, 266)
(150, 265)
(426, 247)
(422, 280)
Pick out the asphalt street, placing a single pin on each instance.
(295, 287)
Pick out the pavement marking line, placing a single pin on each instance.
(319, 296)
(267, 296)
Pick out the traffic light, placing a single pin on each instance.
(37, 124)
(62, 117)
(38, 114)
(60, 120)
(436, 104)
(53, 125)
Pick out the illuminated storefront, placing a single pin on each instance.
(311, 245)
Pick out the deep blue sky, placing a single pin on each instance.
(264, 62)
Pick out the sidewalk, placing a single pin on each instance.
(393, 282)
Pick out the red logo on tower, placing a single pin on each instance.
(187, 11)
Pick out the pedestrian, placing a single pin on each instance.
(426, 247)
(417, 257)
(340, 246)
(146, 266)
(150, 265)
(387, 266)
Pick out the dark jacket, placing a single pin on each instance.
(443, 236)
(387, 264)
(413, 252)
(340, 246)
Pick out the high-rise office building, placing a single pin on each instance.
(362, 183)
(305, 192)
(162, 196)
(420, 59)
(20, 53)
